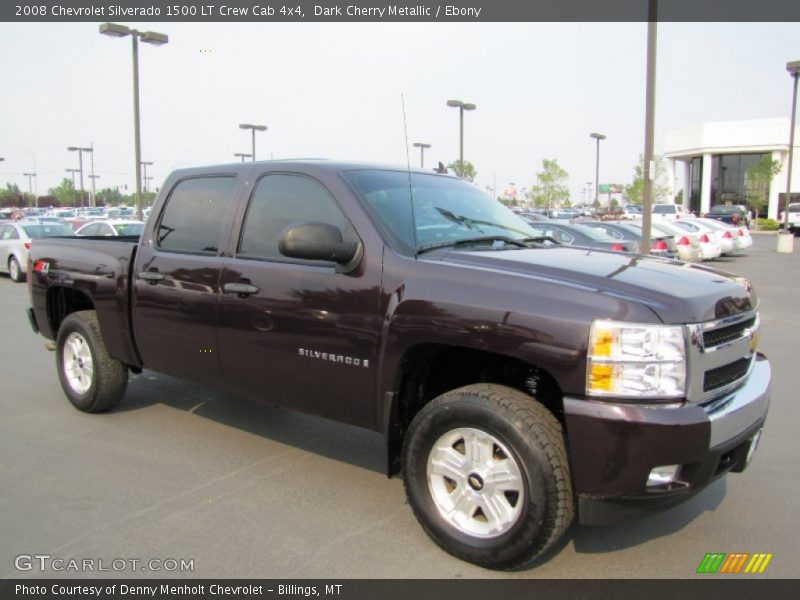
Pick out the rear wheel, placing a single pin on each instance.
(14, 270)
(486, 474)
(91, 379)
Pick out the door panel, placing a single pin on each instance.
(308, 337)
(176, 280)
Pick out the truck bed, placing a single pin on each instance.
(76, 269)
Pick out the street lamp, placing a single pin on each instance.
(788, 240)
(461, 106)
(149, 37)
(598, 137)
(243, 155)
(253, 129)
(421, 147)
(80, 152)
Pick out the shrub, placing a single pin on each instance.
(766, 225)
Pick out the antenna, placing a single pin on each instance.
(408, 170)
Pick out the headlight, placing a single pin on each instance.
(632, 360)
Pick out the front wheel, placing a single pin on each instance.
(91, 379)
(486, 473)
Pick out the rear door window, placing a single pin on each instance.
(195, 214)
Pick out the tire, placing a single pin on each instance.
(15, 271)
(461, 502)
(101, 386)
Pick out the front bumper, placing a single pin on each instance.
(614, 446)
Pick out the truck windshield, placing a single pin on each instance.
(446, 210)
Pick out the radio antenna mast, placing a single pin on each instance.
(408, 170)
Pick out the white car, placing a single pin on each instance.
(706, 247)
(710, 248)
(15, 241)
(670, 212)
(794, 217)
(111, 228)
(725, 242)
(739, 235)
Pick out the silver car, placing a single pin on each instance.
(15, 241)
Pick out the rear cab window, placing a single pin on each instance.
(195, 214)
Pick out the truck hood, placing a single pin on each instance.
(677, 292)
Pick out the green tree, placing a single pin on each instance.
(757, 179)
(11, 196)
(551, 187)
(110, 197)
(634, 193)
(467, 172)
(65, 193)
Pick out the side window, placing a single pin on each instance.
(90, 229)
(280, 200)
(5, 233)
(195, 215)
(563, 237)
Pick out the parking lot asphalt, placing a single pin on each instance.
(248, 490)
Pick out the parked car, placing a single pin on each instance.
(579, 235)
(631, 211)
(660, 244)
(670, 212)
(794, 217)
(516, 384)
(686, 244)
(708, 233)
(15, 242)
(709, 248)
(734, 214)
(111, 228)
(740, 235)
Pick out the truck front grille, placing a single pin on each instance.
(717, 337)
(722, 376)
(719, 357)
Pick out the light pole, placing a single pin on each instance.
(461, 106)
(243, 155)
(648, 170)
(421, 147)
(73, 171)
(598, 137)
(30, 176)
(146, 164)
(149, 37)
(253, 129)
(794, 71)
(80, 152)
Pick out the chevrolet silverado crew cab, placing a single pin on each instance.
(517, 382)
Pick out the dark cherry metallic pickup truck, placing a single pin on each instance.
(516, 382)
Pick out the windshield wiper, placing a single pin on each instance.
(475, 241)
(540, 239)
(471, 223)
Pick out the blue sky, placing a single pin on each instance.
(334, 91)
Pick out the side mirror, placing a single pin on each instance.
(317, 241)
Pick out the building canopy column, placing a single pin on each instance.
(705, 187)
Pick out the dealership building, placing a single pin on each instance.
(714, 158)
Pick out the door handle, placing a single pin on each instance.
(240, 289)
(151, 277)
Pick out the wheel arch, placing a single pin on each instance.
(428, 370)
